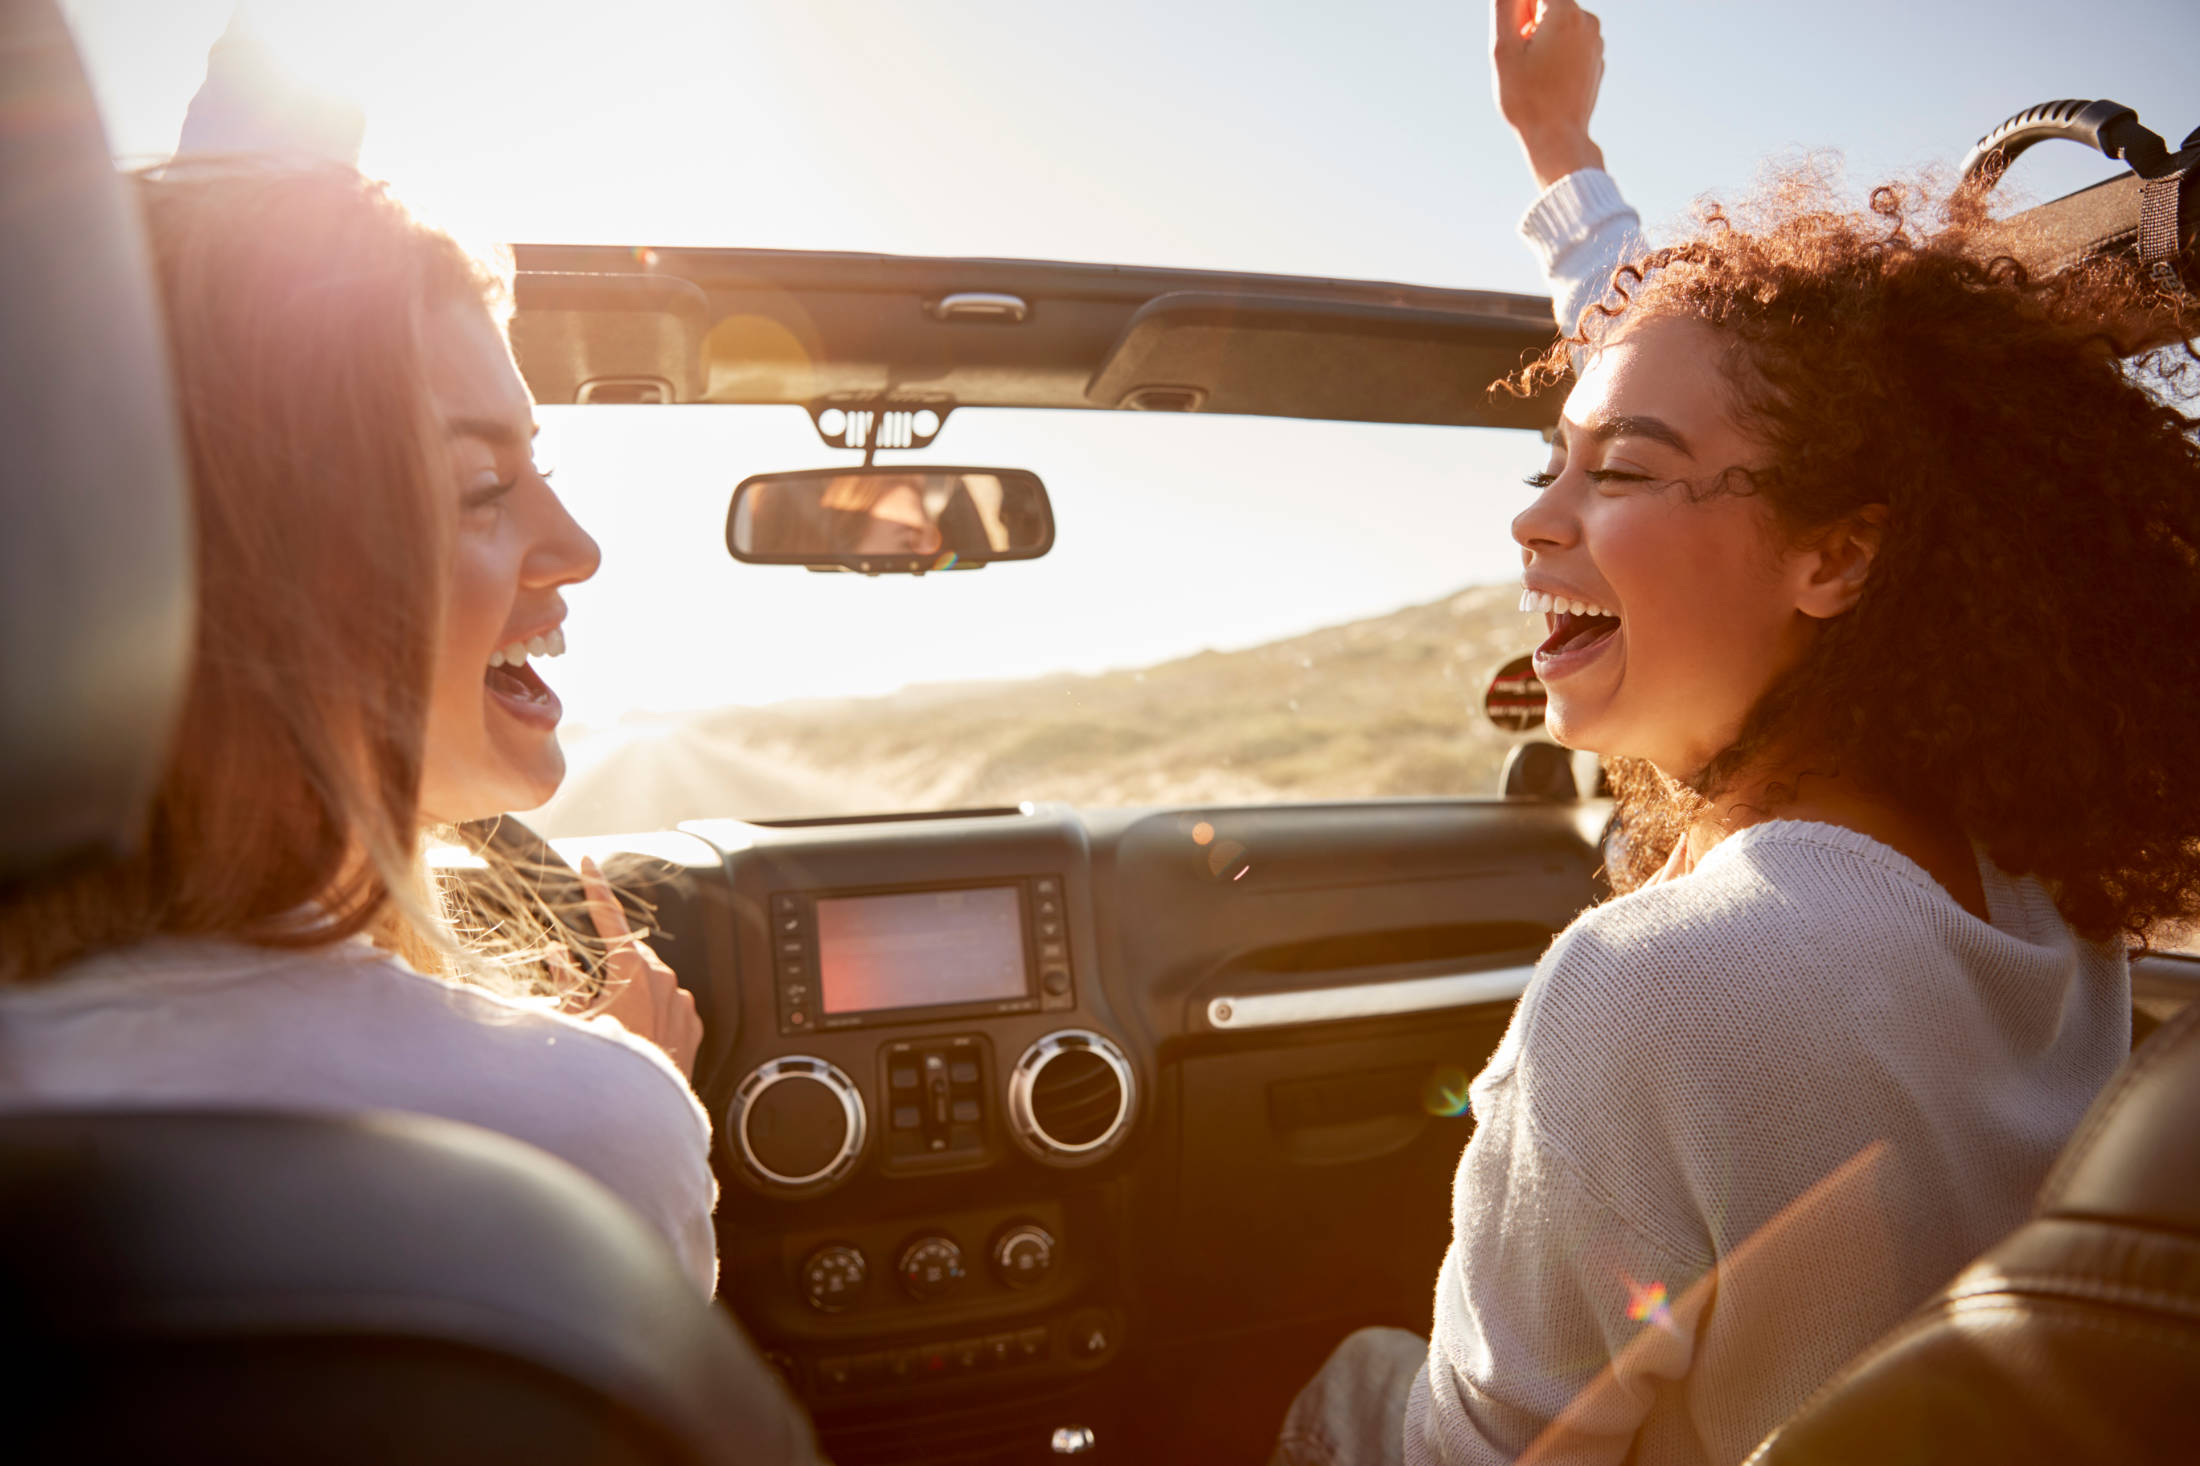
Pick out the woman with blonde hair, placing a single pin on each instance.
(379, 565)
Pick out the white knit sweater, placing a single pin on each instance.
(1741, 1123)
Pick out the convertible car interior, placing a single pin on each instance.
(1041, 1130)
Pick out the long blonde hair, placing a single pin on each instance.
(288, 814)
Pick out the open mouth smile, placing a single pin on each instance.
(517, 687)
(1580, 632)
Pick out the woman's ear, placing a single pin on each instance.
(1833, 568)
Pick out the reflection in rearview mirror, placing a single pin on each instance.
(891, 520)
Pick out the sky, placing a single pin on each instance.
(1285, 136)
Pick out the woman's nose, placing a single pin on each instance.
(1546, 524)
(565, 554)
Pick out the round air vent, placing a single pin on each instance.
(798, 1124)
(1071, 1097)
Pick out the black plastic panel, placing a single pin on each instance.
(1282, 1184)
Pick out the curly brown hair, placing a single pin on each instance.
(2025, 656)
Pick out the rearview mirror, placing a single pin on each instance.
(890, 521)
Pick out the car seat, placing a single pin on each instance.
(2077, 1338)
(252, 1287)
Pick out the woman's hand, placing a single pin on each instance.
(649, 1001)
(1546, 63)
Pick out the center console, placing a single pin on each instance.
(921, 1119)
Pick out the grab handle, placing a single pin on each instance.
(2109, 126)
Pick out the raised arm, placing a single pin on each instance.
(1546, 64)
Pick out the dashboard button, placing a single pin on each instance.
(967, 1356)
(1091, 1335)
(966, 1112)
(1031, 1344)
(1023, 1255)
(931, 1267)
(929, 1361)
(1053, 952)
(901, 1076)
(835, 1374)
(1000, 1351)
(963, 1071)
(1055, 980)
(833, 1277)
(906, 1117)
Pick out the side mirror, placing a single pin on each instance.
(890, 521)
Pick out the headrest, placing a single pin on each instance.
(2136, 1157)
(382, 1233)
(95, 568)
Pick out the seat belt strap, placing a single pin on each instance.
(2161, 203)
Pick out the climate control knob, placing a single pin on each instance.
(931, 1267)
(833, 1277)
(1023, 1256)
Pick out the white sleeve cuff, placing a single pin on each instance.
(1577, 207)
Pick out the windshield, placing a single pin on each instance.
(1234, 609)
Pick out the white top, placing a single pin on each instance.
(1580, 230)
(1741, 1124)
(189, 1024)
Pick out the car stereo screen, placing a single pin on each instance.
(920, 949)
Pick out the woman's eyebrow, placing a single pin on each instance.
(1656, 429)
(495, 433)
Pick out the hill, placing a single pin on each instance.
(1388, 705)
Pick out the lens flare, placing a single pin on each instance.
(1648, 1304)
(1445, 1093)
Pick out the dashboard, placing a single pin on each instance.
(1038, 1119)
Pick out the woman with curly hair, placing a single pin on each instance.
(1871, 564)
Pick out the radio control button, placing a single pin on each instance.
(1055, 980)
